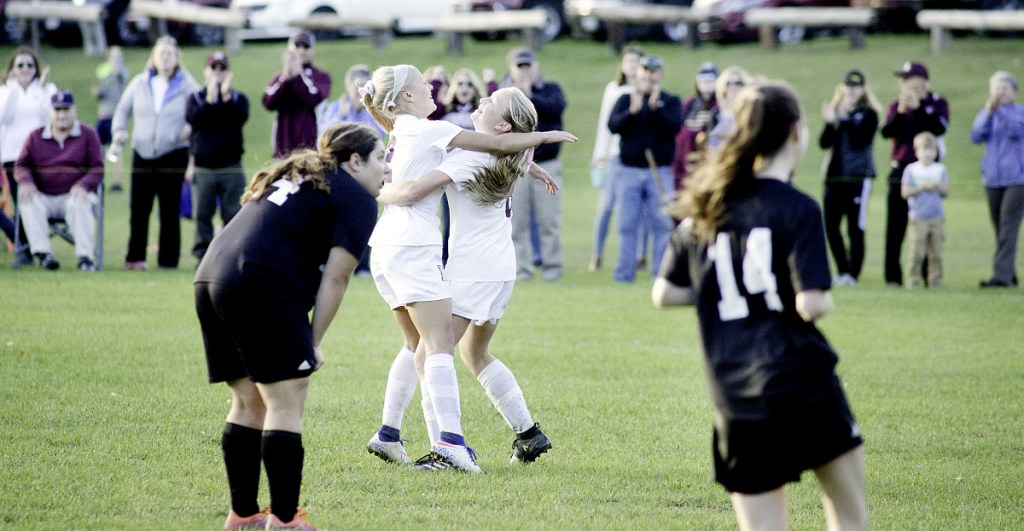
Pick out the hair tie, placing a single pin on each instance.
(367, 89)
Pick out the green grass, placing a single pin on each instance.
(107, 422)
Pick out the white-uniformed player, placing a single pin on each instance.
(481, 268)
(406, 260)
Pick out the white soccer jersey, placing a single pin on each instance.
(480, 243)
(420, 145)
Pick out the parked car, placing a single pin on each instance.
(268, 19)
(726, 18)
(586, 26)
(555, 9)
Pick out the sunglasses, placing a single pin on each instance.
(524, 65)
(465, 83)
(735, 83)
(302, 45)
(218, 66)
(25, 65)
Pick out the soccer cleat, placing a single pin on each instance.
(392, 452)
(455, 456)
(256, 521)
(528, 450)
(298, 522)
(430, 463)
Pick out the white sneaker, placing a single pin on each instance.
(392, 452)
(845, 279)
(460, 457)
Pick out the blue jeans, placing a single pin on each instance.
(639, 199)
(605, 206)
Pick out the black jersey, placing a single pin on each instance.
(761, 355)
(282, 241)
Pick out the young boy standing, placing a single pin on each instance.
(925, 184)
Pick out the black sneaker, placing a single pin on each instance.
(86, 264)
(48, 261)
(528, 450)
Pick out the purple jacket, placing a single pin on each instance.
(295, 101)
(1003, 135)
(53, 168)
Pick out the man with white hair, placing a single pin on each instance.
(58, 172)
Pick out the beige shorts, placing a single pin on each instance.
(408, 274)
(480, 302)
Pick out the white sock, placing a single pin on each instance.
(503, 390)
(402, 381)
(433, 432)
(443, 388)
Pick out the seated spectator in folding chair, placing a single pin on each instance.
(58, 173)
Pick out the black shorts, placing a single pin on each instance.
(756, 456)
(254, 333)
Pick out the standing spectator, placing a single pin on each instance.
(156, 99)
(751, 259)
(728, 84)
(217, 114)
(112, 78)
(647, 121)
(531, 198)
(24, 107)
(349, 106)
(295, 93)
(925, 184)
(605, 161)
(700, 114)
(291, 249)
(851, 120)
(1000, 125)
(462, 98)
(439, 80)
(58, 171)
(916, 110)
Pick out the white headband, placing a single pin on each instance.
(401, 74)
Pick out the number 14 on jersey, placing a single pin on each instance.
(757, 274)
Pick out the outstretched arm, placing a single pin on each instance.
(508, 143)
(409, 192)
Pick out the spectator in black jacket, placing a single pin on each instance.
(851, 121)
(531, 198)
(647, 121)
(217, 114)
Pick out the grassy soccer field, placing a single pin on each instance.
(107, 422)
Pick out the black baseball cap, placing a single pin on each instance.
(912, 69)
(651, 62)
(854, 78)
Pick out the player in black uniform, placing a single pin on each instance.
(750, 255)
(291, 248)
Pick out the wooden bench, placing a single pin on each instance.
(618, 16)
(455, 26)
(88, 16)
(381, 29)
(941, 23)
(162, 11)
(768, 21)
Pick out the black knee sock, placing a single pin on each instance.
(241, 448)
(282, 455)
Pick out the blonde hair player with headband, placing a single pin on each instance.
(481, 267)
(406, 260)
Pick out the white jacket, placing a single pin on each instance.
(22, 110)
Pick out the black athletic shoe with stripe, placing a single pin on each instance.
(528, 450)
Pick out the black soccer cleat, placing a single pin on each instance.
(528, 450)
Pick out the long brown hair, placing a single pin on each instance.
(494, 184)
(23, 50)
(335, 146)
(765, 115)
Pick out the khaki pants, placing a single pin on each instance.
(926, 238)
(77, 212)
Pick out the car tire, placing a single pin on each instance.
(679, 32)
(207, 35)
(325, 35)
(556, 17)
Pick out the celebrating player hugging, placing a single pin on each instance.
(407, 268)
(750, 256)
